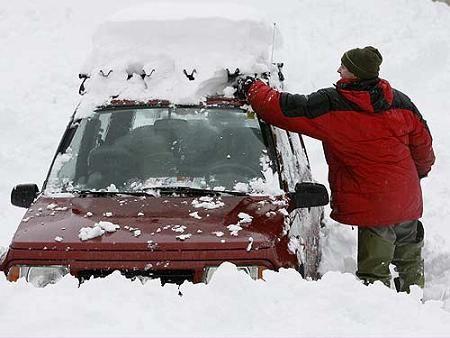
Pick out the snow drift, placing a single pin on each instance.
(47, 44)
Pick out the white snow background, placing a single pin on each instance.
(44, 45)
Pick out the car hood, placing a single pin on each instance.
(172, 223)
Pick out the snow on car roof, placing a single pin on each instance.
(178, 10)
(150, 51)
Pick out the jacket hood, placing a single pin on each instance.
(373, 95)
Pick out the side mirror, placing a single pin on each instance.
(23, 195)
(309, 194)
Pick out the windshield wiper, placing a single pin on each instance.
(113, 193)
(194, 191)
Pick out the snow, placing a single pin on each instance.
(184, 237)
(195, 215)
(244, 218)
(87, 233)
(164, 44)
(218, 233)
(207, 202)
(97, 230)
(250, 243)
(47, 46)
(234, 229)
(178, 228)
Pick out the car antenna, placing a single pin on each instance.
(273, 41)
(278, 64)
(190, 76)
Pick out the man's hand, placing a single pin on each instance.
(243, 84)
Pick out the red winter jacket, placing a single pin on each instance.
(376, 144)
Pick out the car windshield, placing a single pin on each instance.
(136, 149)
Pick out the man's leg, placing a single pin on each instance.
(408, 255)
(375, 253)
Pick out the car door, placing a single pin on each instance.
(304, 223)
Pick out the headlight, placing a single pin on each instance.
(253, 271)
(39, 276)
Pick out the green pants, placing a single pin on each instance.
(398, 244)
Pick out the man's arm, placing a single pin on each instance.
(298, 113)
(420, 145)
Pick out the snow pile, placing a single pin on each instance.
(282, 305)
(97, 230)
(178, 55)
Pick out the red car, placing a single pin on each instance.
(157, 190)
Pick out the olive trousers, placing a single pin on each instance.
(397, 244)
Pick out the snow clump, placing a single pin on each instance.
(207, 202)
(178, 228)
(245, 218)
(218, 233)
(184, 237)
(97, 230)
(195, 215)
(234, 229)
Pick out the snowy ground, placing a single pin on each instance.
(44, 45)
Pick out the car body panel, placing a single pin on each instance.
(156, 218)
(148, 237)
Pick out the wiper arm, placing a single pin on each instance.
(113, 193)
(194, 191)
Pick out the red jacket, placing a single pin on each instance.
(376, 144)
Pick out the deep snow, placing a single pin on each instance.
(45, 44)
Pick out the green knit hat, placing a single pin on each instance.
(364, 63)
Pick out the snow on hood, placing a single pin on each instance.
(165, 40)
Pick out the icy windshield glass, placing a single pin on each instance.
(131, 150)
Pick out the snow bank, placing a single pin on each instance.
(231, 305)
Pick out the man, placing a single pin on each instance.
(377, 146)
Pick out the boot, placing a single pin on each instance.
(409, 263)
(374, 256)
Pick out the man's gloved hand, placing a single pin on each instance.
(243, 84)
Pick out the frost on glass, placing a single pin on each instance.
(59, 177)
(141, 149)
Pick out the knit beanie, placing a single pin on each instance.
(364, 63)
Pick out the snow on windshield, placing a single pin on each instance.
(151, 53)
